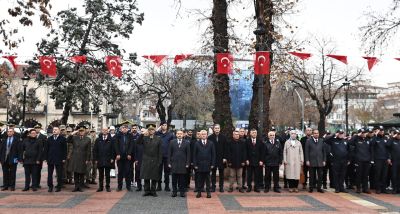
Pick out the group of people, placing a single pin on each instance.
(367, 160)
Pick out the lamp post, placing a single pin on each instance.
(25, 81)
(346, 86)
(8, 104)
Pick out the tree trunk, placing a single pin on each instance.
(161, 110)
(222, 102)
(169, 114)
(264, 10)
(321, 123)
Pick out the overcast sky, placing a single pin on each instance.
(163, 32)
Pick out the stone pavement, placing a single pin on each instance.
(132, 202)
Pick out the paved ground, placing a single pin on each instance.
(132, 202)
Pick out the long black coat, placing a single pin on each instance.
(204, 156)
(236, 155)
(152, 157)
(254, 152)
(139, 149)
(221, 146)
(273, 153)
(179, 156)
(14, 150)
(103, 152)
(42, 139)
(31, 151)
(127, 149)
(55, 151)
(315, 152)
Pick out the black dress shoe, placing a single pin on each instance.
(266, 190)
(34, 189)
(25, 189)
(119, 189)
(221, 190)
(138, 189)
(277, 190)
(108, 189)
(58, 190)
(50, 189)
(182, 195)
(12, 189)
(167, 189)
(212, 189)
(198, 195)
(99, 190)
(158, 187)
(337, 191)
(75, 190)
(344, 191)
(310, 190)
(146, 194)
(208, 195)
(154, 194)
(320, 191)
(248, 190)
(174, 194)
(325, 187)
(256, 190)
(230, 189)
(129, 189)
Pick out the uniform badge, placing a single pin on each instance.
(368, 142)
(345, 143)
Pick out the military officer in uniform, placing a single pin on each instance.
(339, 153)
(394, 160)
(362, 153)
(380, 154)
(151, 160)
(42, 140)
(91, 170)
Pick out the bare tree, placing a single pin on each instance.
(381, 28)
(322, 81)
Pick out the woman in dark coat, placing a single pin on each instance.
(104, 155)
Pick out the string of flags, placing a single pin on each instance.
(224, 62)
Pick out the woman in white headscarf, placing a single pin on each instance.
(293, 160)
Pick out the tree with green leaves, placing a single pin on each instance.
(93, 31)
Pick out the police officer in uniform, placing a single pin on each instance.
(362, 152)
(380, 156)
(394, 161)
(339, 153)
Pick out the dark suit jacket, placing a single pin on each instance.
(254, 153)
(129, 147)
(14, 150)
(179, 157)
(236, 154)
(204, 156)
(315, 152)
(103, 152)
(55, 151)
(273, 154)
(31, 151)
(221, 147)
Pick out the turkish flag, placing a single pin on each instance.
(262, 63)
(114, 65)
(302, 56)
(79, 59)
(157, 59)
(371, 61)
(339, 57)
(179, 58)
(224, 63)
(398, 59)
(12, 61)
(48, 65)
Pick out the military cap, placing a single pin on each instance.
(62, 127)
(151, 126)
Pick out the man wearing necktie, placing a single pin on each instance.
(103, 156)
(254, 161)
(204, 161)
(55, 154)
(179, 162)
(79, 156)
(315, 157)
(9, 159)
(124, 149)
(273, 156)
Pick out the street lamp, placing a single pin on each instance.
(8, 103)
(346, 86)
(25, 81)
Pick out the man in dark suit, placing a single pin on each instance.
(138, 160)
(254, 160)
(315, 157)
(124, 149)
(273, 156)
(221, 145)
(31, 151)
(204, 162)
(42, 140)
(236, 157)
(9, 154)
(179, 162)
(103, 156)
(55, 152)
(303, 141)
